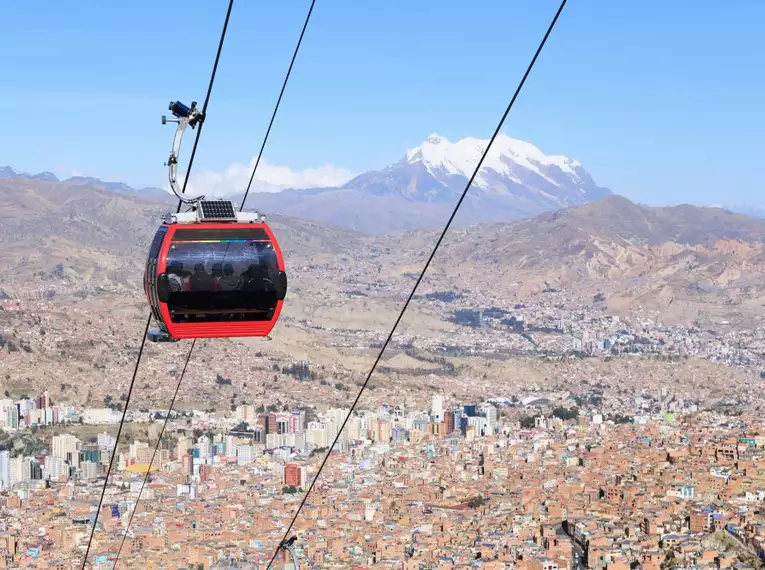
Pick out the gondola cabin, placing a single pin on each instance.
(214, 273)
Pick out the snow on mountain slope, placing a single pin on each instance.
(514, 171)
(461, 158)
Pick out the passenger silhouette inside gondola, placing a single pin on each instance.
(230, 280)
(255, 280)
(200, 280)
(176, 277)
(267, 257)
(251, 280)
(217, 275)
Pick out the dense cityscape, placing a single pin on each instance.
(591, 475)
(562, 487)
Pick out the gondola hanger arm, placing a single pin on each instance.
(185, 117)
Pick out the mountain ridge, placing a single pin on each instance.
(681, 258)
(420, 190)
(512, 168)
(8, 172)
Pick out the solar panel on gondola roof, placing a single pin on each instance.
(217, 210)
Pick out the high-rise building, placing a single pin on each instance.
(244, 454)
(89, 470)
(438, 408)
(55, 468)
(106, 441)
(293, 475)
(17, 470)
(9, 414)
(488, 411)
(66, 447)
(449, 422)
(5, 469)
(43, 400)
(246, 413)
(184, 444)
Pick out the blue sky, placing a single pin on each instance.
(661, 101)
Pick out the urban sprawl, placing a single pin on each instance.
(454, 485)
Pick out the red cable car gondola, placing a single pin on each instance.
(209, 278)
(212, 272)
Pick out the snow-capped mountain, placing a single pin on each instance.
(516, 180)
(514, 172)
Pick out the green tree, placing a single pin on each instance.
(476, 502)
(527, 422)
(565, 413)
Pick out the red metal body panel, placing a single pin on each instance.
(223, 329)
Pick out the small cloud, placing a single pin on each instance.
(269, 178)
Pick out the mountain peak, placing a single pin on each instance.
(508, 157)
(516, 178)
(46, 176)
(8, 172)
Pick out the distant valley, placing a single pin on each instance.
(73, 255)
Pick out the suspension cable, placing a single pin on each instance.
(191, 349)
(273, 115)
(116, 442)
(153, 455)
(207, 99)
(278, 101)
(419, 279)
(148, 320)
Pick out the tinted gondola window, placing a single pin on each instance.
(151, 271)
(221, 276)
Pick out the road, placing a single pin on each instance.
(578, 551)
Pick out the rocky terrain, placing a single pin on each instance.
(685, 262)
(75, 238)
(73, 310)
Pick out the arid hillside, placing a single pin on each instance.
(73, 309)
(70, 238)
(685, 261)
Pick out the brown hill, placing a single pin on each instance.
(681, 260)
(345, 288)
(81, 236)
(616, 216)
(705, 258)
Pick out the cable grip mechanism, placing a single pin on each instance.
(185, 117)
